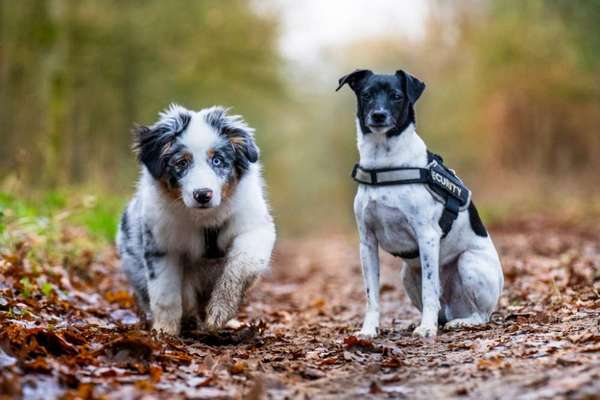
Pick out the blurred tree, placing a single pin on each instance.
(537, 64)
(513, 87)
(75, 75)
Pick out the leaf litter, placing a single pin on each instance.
(69, 328)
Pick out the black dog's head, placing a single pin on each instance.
(385, 102)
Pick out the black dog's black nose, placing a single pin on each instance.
(379, 116)
(203, 196)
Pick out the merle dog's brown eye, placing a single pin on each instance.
(181, 163)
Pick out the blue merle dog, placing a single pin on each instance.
(198, 231)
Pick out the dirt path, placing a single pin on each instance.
(296, 336)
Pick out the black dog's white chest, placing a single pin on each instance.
(391, 227)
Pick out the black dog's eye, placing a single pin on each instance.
(366, 96)
(397, 96)
(216, 161)
(181, 164)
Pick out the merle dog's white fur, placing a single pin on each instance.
(161, 239)
(458, 279)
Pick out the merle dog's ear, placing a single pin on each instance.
(235, 130)
(412, 86)
(354, 78)
(245, 148)
(150, 144)
(153, 143)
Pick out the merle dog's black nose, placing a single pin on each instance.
(203, 196)
(379, 116)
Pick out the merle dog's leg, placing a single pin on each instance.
(135, 271)
(369, 258)
(429, 249)
(164, 273)
(164, 290)
(248, 257)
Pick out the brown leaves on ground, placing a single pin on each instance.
(71, 330)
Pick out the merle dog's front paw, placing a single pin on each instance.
(169, 326)
(217, 315)
(425, 331)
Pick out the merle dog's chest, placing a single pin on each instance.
(196, 244)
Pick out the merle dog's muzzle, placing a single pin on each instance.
(203, 197)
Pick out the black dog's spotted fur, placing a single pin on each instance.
(475, 221)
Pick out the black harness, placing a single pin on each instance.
(211, 246)
(441, 181)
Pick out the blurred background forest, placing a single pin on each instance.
(513, 96)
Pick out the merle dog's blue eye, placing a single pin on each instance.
(216, 161)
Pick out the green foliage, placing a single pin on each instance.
(45, 214)
(46, 288)
(27, 287)
(539, 89)
(100, 215)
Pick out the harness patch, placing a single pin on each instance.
(445, 183)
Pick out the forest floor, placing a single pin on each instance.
(68, 327)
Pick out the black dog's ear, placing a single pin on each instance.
(354, 78)
(412, 86)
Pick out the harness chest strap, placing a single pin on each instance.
(390, 176)
(442, 182)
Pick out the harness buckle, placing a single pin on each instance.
(354, 171)
(373, 177)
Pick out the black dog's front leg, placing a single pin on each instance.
(429, 249)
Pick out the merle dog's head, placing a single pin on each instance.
(385, 102)
(198, 157)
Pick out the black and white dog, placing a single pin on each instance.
(198, 231)
(413, 207)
